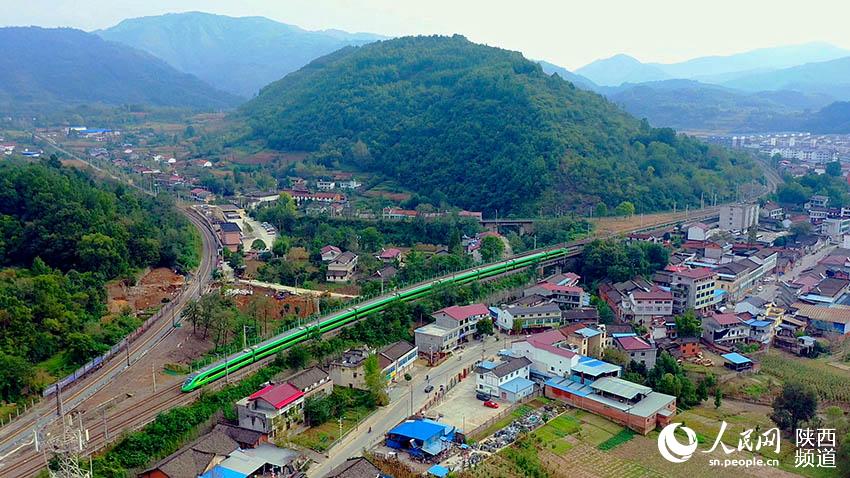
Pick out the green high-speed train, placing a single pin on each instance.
(286, 340)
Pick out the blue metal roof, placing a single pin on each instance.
(487, 365)
(623, 334)
(516, 385)
(736, 358)
(588, 332)
(439, 471)
(758, 323)
(419, 429)
(571, 386)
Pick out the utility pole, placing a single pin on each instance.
(105, 427)
(153, 375)
(127, 349)
(59, 411)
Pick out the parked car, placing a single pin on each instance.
(429, 388)
(491, 404)
(482, 396)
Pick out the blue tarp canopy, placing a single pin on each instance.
(418, 429)
(222, 472)
(438, 470)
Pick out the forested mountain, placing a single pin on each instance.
(576, 79)
(621, 69)
(691, 105)
(238, 55)
(483, 128)
(721, 68)
(62, 236)
(45, 69)
(718, 69)
(828, 77)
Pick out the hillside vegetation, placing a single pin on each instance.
(49, 69)
(484, 128)
(62, 236)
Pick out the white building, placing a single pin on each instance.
(508, 380)
(738, 217)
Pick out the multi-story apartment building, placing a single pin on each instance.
(694, 289)
(738, 217)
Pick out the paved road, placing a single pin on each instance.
(400, 403)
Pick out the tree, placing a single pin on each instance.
(833, 169)
(688, 324)
(15, 375)
(281, 246)
(297, 357)
(752, 234)
(82, 347)
(800, 229)
(258, 245)
(376, 382)
(792, 193)
(796, 403)
(718, 397)
(484, 327)
(492, 249)
(625, 208)
(370, 239)
(615, 356)
(601, 210)
(317, 410)
(192, 312)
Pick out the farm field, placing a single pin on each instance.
(830, 382)
(580, 444)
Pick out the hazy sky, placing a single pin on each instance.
(566, 32)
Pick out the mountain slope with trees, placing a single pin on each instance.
(49, 69)
(484, 128)
(62, 236)
(238, 55)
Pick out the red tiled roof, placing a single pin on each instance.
(279, 395)
(546, 340)
(656, 293)
(560, 288)
(330, 248)
(727, 319)
(632, 343)
(390, 253)
(699, 273)
(461, 312)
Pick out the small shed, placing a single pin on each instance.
(737, 362)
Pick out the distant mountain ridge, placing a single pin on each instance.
(238, 55)
(48, 69)
(718, 69)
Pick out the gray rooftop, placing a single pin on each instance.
(620, 387)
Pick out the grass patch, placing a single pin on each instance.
(622, 437)
(552, 434)
(321, 437)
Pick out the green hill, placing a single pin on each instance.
(48, 69)
(239, 55)
(484, 128)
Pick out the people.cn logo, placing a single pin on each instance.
(671, 449)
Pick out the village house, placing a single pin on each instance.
(637, 349)
(396, 359)
(330, 253)
(694, 289)
(724, 329)
(390, 255)
(452, 326)
(273, 410)
(521, 318)
(566, 296)
(508, 380)
(341, 269)
(347, 371)
(312, 382)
